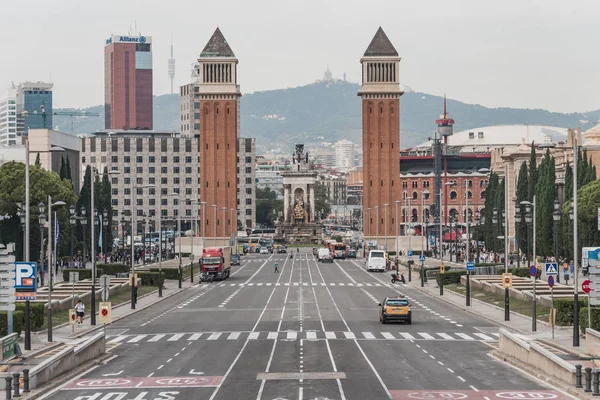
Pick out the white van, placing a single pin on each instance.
(324, 255)
(376, 261)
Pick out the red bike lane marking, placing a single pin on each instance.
(481, 395)
(146, 383)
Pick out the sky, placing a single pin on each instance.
(511, 53)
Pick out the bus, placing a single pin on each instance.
(339, 250)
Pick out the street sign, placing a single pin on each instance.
(470, 266)
(532, 271)
(73, 277)
(585, 286)
(422, 258)
(551, 281)
(507, 280)
(105, 313)
(7, 307)
(551, 269)
(409, 252)
(442, 269)
(72, 316)
(25, 276)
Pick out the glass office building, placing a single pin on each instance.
(34, 97)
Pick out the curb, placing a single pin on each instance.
(530, 370)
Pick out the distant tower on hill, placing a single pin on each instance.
(172, 66)
(327, 77)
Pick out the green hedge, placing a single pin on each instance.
(112, 269)
(521, 272)
(450, 277)
(564, 310)
(428, 253)
(83, 273)
(37, 314)
(18, 323)
(487, 264)
(583, 318)
(150, 278)
(172, 273)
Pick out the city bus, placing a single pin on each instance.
(339, 250)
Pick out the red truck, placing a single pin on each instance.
(216, 263)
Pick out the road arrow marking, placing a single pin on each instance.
(192, 372)
(113, 374)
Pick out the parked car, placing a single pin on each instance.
(264, 250)
(235, 259)
(351, 253)
(282, 249)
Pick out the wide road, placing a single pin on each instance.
(309, 332)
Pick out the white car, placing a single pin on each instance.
(264, 250)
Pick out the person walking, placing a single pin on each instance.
(276, 267)
(80, 310)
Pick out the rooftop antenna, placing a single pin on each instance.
(171, 65)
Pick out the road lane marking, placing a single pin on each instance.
(311, 335)
(464, 336)
(156, 338)
(461, 378)
(330, 335)
(425, 335)
(349, 335)
(387, 335)
(137, 338)
(483, 336)
(195, 336)
(368, 335)
(118, 339)
(214, 336)
(272, 335)
(445, 336)
(253, 335)
(292, 335)
(175, 338)
(407, 335)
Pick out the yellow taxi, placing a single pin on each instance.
(395, 309)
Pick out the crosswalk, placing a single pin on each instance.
(340, 284)
(297, 335)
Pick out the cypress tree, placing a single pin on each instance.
(68, 171)
(62, 173)
(522, 195)
(38, 162)
(488, 227)
(568, 183)
(533, 175)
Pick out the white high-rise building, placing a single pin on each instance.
(344, 154)
(8, 118)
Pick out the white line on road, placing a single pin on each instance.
(474, 388)
(461, 378)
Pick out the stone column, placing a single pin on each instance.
(312, 202)
(286, 202)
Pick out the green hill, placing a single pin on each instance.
(330, 111)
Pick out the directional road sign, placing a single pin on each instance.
(551, 281)
(551, 269)
(105, 284)
(507, 280)
(532, 271)
(585, 286)
(470, 266)
(409, 252)
(422, 258)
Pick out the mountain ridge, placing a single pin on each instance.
(331, 111)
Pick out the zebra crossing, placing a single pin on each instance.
(340, 284)
(297, 335)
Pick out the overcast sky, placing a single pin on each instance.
(509, 53)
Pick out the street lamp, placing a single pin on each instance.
(214, 206)
(396, 223)
(84, 221)
(180, 236)
(72, 222)
(103, 227)
(377, 226)
(50, 261)
(518, 220)
(575, 248)
(529, 217)
(385, 224)
(556, 218)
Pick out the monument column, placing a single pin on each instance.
(286, 202)
(312, 203)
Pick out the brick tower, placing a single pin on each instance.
(380, 93)
(219, 96)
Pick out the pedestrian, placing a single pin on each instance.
(80, 310)
(276, 267)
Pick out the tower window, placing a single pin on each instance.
(381, 145)
(382, 182)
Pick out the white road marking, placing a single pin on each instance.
(195, 336)
(464, 336)
(214, 336)
(474, 388)
(137, 339)
(445, 336)
(349, 335)
(175, 338)
(461, 378)
(330, 335)
(272, 335)
(387, 335)
(406, 335)
(292, 335)
(368, 335)
(484, 337)
(118, 339)
(426, 335)
(311, 335)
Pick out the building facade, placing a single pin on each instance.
(219, 96)
(152, 166)
(128, 83)
(8, 119)
(268, 175)
(246, 181)
(34, 106)
(344, 155)
(380, 93)
(189, 109)
(336, 187)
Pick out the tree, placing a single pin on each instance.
(545, 195)
(568, 183)
(267, 207)
(322, 205)
(522, 195)
(63, 166)
(105, 201)
(69, 171)
(490, 199)
(38, 162)
(533, 174)
(42, 184)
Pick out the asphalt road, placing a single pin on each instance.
(309, 332)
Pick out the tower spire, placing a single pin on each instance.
(171, 65)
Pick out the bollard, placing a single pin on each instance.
(16, 385)
(577, 376)
(596, 383)
(8, 387)
(588, 380)
(26, 380)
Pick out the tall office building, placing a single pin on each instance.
(344, 154)
(8, 118)
(219, 96)
(128, 82)
(380, 93)
(33, 98)
(189, 109)
(246, 181)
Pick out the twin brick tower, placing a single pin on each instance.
(219, 97)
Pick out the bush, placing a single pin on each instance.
(83, 273)
(150, 278)
(112, 269)
(37, 314)
(564, 310)
(583, 318)
(450, 277)
(487, 264)
(521, 272)
(171, 273)
(18, 323)
(427, 253)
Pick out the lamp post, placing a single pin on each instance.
(50, 262)
(506, 291)
(84, 221)
(529, 217)
(556, 218)
(396, 223)
(385, 207)
(203, 204)
(575, 248)
(103, 227)
(42, 221)
(377, 225)
(72, 222)
(518, 220)
(214, 206)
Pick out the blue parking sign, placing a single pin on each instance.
(470, 266)
(25, 276)
(409, 252)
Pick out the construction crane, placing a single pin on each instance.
(45, 114)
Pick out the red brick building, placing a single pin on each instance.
(219, 96)
(128, 82)
(380, 93)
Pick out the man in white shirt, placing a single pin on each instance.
(80, 310)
